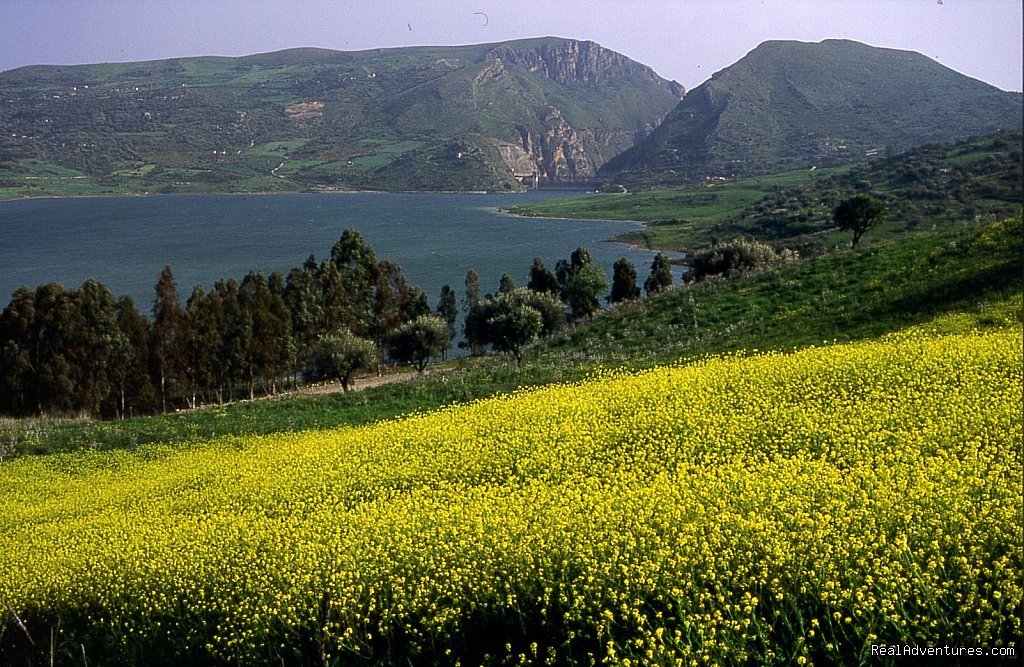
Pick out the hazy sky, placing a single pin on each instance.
(685, 40)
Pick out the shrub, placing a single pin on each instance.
(737, 256)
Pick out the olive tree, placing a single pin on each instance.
(858, 214)
(418, 340)
(508, 322)
(512, 327)
(341, 354)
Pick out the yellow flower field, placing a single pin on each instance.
(774, 508)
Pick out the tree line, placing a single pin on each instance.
(515, 317)
(82, 352)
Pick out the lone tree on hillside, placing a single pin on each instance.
(858, 214)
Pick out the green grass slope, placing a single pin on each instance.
(933, 185)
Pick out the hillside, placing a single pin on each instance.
(829, 454)
(778, 509)
(789, 104)
(424, 118)
(931, 185)
(845, 295)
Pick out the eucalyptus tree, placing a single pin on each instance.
(357, 268)
(17, 367)
(205, 342)
(236, 336)
(169, 333)
(268, 352)
(51, 350)
(541, 278)
(448, 311)
(470, 301)
(395, 302)
(95, 346)
(624, 287)
(305, 304)
(506, 284)
(660, 278)
(583, 283)
(134, 388)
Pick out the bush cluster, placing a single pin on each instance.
(737, 256)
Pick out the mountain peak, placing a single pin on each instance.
(788, 103)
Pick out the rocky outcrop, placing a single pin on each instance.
(555, 151)
(570, 61)
(554, 148)
(301, 114)
(562, 153)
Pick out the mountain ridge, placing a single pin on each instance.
(491, 116)
(402, 118)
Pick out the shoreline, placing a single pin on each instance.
(677, 257)
(261, 193)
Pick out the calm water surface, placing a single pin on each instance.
(124, 242)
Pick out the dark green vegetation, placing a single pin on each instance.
(789, 104)
(881, 286)
(426, 118)
(858, 214)
(930, 185)
(79, 352)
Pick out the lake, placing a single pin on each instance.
(124, 242)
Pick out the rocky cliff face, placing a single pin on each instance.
(570, 61)
(558, 148)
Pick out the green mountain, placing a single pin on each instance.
(788, 104)
(482, 117)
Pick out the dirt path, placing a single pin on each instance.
(358, 384)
